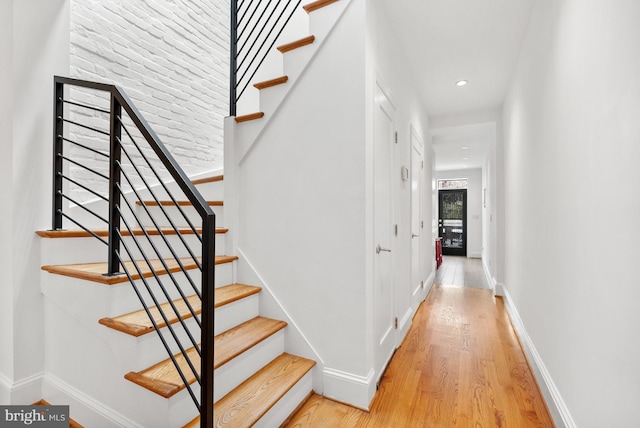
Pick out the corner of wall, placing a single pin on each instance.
(348, 388)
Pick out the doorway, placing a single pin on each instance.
(384, 287)
(452, 221)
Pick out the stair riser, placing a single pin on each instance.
(138, 353)
(99, 377)
(175, 215)
(100, 300)
(89, 250)
(296, 60)
(233, 314)
(287, 404)
(213, 191)
(141, 352)
(321, 21)
(236, 371)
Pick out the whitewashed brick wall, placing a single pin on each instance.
(171, 57)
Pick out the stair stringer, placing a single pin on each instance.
(295, 340)
(295, 64)
(245, 147)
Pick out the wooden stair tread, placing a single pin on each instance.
(270, 83)
(137, 323)
(163, 378)
(179, 203)
(94, 271)
(246, 404)
(72, 423)
(317, 5)
(79, 233)
(211, 179)
(296, 44)
(248, 117)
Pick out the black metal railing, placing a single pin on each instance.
(106, 160)
(254, 29)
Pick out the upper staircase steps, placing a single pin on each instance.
(319, 4)
(137, 323)
(251, 400)
(72, 423)
(95, 271)
(163, 378)
(248, 117)
(210, 179)
(271, 83)
(296, 44)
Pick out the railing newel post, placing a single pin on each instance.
(115, 133)
(207, 320)
(233, 57)
(58, 148)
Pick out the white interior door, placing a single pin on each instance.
(417, 225)
(384, 316)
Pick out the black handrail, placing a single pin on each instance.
(254, 30)
(122, 256)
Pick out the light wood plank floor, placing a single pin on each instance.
(461, 365)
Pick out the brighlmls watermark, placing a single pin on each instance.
(34, 416)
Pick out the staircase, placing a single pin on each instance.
(104, 354)
(256, 382)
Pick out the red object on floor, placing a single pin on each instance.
(438, 252)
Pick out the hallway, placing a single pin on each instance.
(461, 365)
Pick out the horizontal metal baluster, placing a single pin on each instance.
(162, 287)
(155, 198)
(255, 10)
(94, 108)
(85, 167)
(157, 329)
(175, 256)
(84, 187)
(265, 40)
(100, 131)
(161, 182)
(253, 28)
(70, 199)
(89, 231)
(264, 57)
(106, 155)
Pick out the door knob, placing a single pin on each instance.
(413, 235)
(379, 249)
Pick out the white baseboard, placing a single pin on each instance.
(23, 392)
(348, 388)
(490, 279)
(557, 407)
(83, 408)
(474, 255)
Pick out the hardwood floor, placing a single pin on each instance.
(461, 365)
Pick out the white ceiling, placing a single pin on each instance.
(462, 147)
(449, 40)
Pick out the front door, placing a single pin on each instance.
(383, 293)
(452, 221)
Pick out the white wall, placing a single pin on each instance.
(388, 64)
(474, 206)
(572, 144)
(39, 47)
(171, 57)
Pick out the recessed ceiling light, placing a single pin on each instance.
(461, 82)
(465, 158)
(464, 147)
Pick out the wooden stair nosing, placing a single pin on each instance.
(252, 399)
(95, 271)
(137, 323)
(296, 44)
(317, 5)
(205, 180)
(163, 378)
(179, 203)
(80, 233)
(270, 83)
(248, 117)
